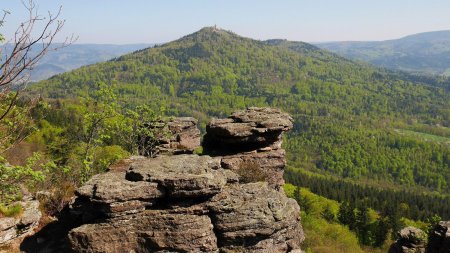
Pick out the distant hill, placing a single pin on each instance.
(351, 119)
(77, 55)
(423, 53)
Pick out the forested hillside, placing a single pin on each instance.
(351, 120)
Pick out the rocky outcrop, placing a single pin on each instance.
(16, 227)
(439, 240)
(183, 136)
(175, 136)
(410, 240)
(182, 203)
(191, 203)
(185, 202)
(250, 140)
(247, 130)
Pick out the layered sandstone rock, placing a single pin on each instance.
(251, 140)
(182, 203)
(178, 202)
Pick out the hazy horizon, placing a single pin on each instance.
(147, 22)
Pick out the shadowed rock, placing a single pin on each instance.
(440, 238)
(249, 129)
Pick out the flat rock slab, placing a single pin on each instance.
(114, 187)
(182, 175)
(252, 128)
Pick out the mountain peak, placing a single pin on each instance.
(210, 33)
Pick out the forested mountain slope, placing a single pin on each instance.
(424, 52)
(351, 120)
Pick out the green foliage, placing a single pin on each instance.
(12, 177)
(198, 150)
(12, 210)
(394, 201)
(322, 234)
(345, 113)
(17, 123)
(107, 155)
(325, 237)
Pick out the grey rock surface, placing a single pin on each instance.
(249, 143)
(23, 225)
(249, 129)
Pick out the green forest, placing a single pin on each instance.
(351, 120)
(366, 131)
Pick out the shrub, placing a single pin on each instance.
(250, 171)
(13, 210)
(12, 177)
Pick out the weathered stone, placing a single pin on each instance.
(182, 175)
(185, 136)
(176, 136)
(256, 218)
(149, 231)
(440, 238)
(270, 165)
(249, 129)
(410, 240)
(8, 229)
(113, 187)
(15, 227)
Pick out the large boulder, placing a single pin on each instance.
(410, 240)
(440, 238)
(148, 231)
(255, 218)
(182, 203)
(190, 203)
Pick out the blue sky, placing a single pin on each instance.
(156, 21)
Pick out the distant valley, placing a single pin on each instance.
(77, 55)
(427, 53)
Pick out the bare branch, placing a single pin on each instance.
(27, 49)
